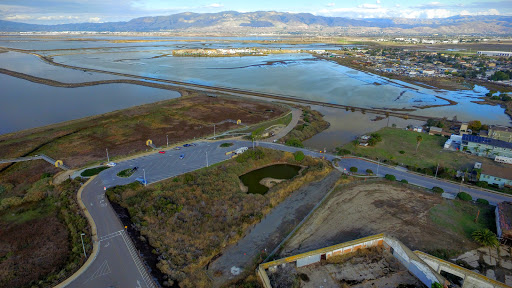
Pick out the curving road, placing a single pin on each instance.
(117, 263)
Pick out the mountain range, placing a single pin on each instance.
(285, 23)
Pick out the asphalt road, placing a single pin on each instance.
(118, 264)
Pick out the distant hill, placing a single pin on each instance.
(281, 22)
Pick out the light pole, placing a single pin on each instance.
(206, 158)
(108, 159)
(167, 136)
(460, 187)
(436, 170)
(83, 246)
(144, 176)
(213, 130)
(378, 165)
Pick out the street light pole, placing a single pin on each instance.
(206, 158)
(378, 165)
(213, 130)
(167, 136)
(436, 170)
(83, 246)
(144, 176)
(460, 187)
(108, 159)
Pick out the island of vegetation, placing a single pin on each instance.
(230, 52)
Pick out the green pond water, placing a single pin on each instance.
(279, 171)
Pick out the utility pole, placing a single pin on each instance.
(167, 136)
(213, 130)
(378, 165)
(144, 177)
(436, 170)
(206, 158)
(108, 159)
(83, 246)
(460, 187)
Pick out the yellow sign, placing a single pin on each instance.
(149, 142)
(59, 163)
(238, 122)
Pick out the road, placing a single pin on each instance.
(296, 113)
(117, 263)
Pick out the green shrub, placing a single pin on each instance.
(436, 285)
(464, 196)
(390, 177)
(482, 201)
(437, 190)
(93, 171)
(342, 152)
(401, 152)
(254, 154)
(404, 181)
(224, 145)
(299, 156)
(353, 169)
(482, 184)
(46, 175)
(294, 142)
(126, 173)
(369, 171)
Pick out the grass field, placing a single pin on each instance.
(430, 151)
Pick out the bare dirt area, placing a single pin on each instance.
(367, 268)
(415, 217)
(31, 250)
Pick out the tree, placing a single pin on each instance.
(475, 125)
(299, 156)
(418, 141)
(486, 238)
(294, 142)
(487, 150)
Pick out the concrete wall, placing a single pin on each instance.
(471, 279)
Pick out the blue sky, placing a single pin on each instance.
(73, 11)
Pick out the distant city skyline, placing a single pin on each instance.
(76, 11)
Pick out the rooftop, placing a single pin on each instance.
(500, 128)
(498, 170)
(486, 141)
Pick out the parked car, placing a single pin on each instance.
(187, 145)
(177, 148)
(161, 152)
(111, 164)
(141, 181)
(135, 168)
(182, 156)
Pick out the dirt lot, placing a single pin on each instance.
(374, 267)
(420, 220)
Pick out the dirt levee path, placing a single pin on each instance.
(368, 209)
(271, 230)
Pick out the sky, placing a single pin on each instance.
(76, 11)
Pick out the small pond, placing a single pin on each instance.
(278, 171)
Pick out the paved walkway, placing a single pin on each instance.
(296, 113)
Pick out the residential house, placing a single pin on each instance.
(463, 129)
(500, 132)
(483, 146)
(498, 174)
(435, 131)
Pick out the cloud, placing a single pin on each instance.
(369, 6)
(57, 17)
(431, 5)
(95, 19)
(332, 4)
(214, 5)
(378, 1)
(488, 12)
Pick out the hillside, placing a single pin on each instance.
(282, 22)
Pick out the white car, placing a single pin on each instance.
(111, 164)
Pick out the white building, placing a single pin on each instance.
(495, 53)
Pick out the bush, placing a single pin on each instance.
(401, 152)
(482, 184)
(224, 145)
(404, 181)
(437, 190)
(369, 171)
(464, 196)
(390, 177)
(353, 169)
(482, 201)
(342, 152)
(93, 171)
(294, 142)
(299, 156)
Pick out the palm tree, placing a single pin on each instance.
(486, 238)
(418, 141)
(487, 150)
